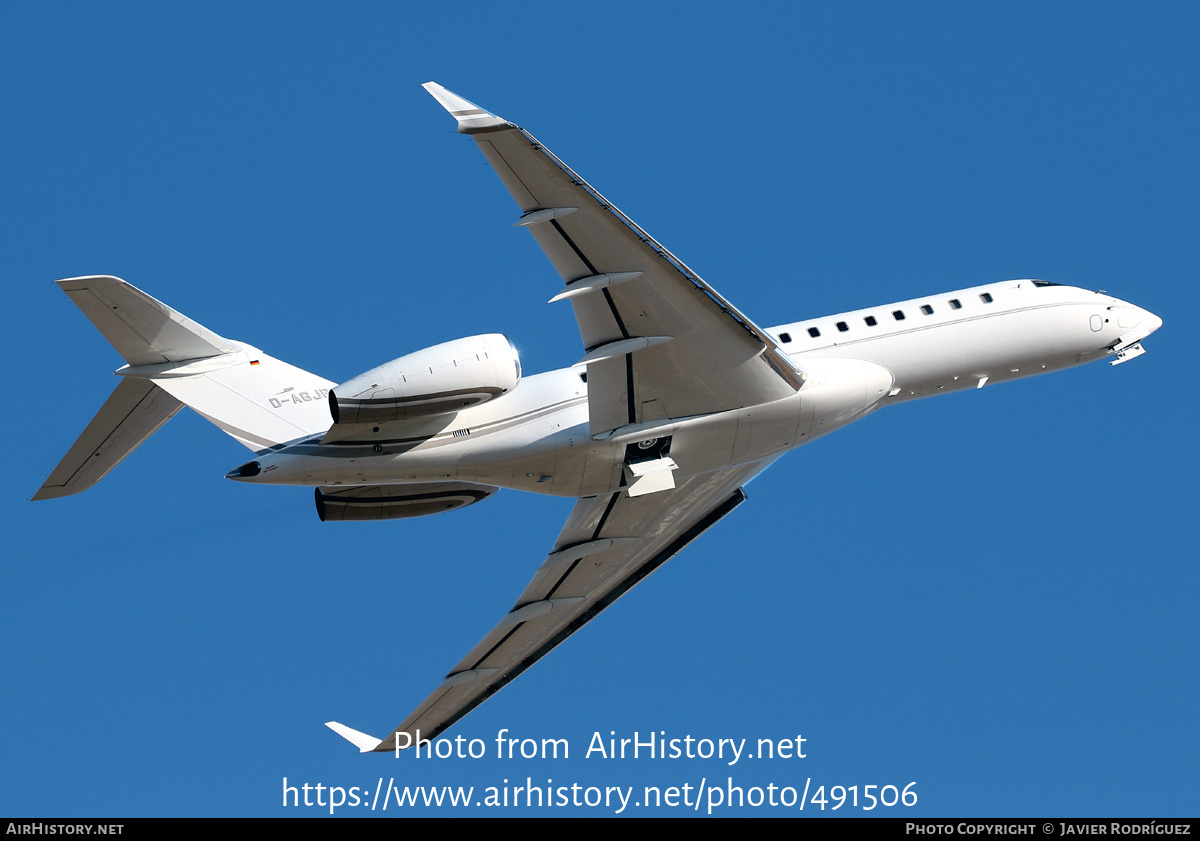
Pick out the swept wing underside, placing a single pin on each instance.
(608, 545)
(660, 344)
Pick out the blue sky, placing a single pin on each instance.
(991, 594)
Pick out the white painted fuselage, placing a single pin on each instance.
(536, 438)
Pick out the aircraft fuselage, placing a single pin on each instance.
(537, 437)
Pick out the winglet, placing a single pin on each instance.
(364, 742)
(471, 118)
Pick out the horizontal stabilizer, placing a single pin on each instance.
(259, 400)
(363, 741)
(143, 330)
(134, 412)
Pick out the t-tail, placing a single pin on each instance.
(171, 362)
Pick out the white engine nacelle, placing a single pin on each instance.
(434, 381)
(393, 502)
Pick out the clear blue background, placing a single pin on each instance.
(992, 594)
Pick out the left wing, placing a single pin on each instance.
(608, 545)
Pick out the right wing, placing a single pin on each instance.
(609, 544)
(660, 342)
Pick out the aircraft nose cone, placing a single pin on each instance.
(1130, 316)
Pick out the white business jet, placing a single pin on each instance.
(678, 400)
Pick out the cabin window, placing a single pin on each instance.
(785, 337)
(870, 320)
(955, 304)
(986, 297)
(842, 326)
(898, 315)
(925, 308)
(814, 332)
(583, 376)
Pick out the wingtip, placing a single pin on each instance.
(471, 118)
(363, 741)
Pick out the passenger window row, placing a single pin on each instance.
(898, 315)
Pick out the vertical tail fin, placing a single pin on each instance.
(173, 361)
